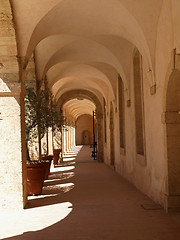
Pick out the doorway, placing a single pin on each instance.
(86, 137)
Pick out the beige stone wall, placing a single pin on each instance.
(84, 123)
(12, 163)
(143, 171)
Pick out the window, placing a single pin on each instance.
(121, 112)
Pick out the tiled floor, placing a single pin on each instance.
(86, 200)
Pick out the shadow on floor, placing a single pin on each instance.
(57, 184)
(100, 205)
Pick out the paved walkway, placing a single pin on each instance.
(86, 200)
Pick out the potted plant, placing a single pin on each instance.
(58, 126)
(40, 115)
(36, 114)
(54, 120)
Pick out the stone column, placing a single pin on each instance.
(70, 146)
(74, 136)
(12, 165)
(71, 129)
(67, 137)
(64, 141)
(12, 127)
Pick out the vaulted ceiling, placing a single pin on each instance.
(85, 45)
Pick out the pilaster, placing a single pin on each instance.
(12, 128)
(12, 164)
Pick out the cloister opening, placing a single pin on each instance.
(110, 57)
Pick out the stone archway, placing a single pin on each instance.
(99, 113)
(172, 120)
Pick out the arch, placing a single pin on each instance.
(80, 93)
(119, 47)
(82, 83)
(86, 51)
(82, 71)
(99, 115)
(71, 85)
(84, 21)
(77, 107)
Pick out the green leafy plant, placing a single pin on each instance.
(40, 115)
(35, 122)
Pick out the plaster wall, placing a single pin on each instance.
(154, 172)
(107, 150)
(176, 24)
(154, 180)
(127, 162)
(84, 123)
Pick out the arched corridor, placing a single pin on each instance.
(103, 74)
(84, 199)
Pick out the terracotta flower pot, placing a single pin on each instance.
(56, 153)
(35, 177)
(49, 159)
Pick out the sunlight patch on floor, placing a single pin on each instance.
(14, 223)
(36, 218)
(66, 159)
(59, 176)
(66, 187)
(62, 169)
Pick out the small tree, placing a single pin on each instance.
(35, 117)
(40, 115)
